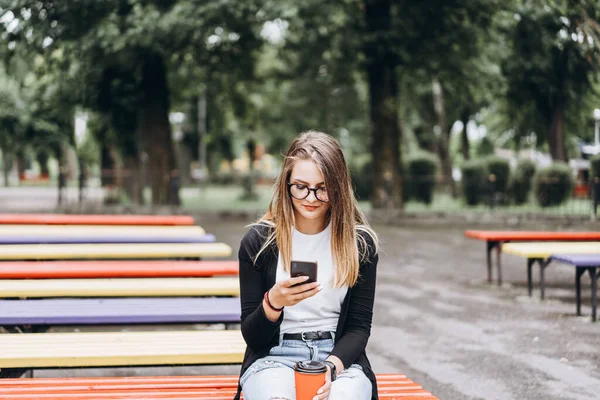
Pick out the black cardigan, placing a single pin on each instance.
(261, 334)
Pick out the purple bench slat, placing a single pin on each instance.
(119, 311)
(579, 260)
(207, 238)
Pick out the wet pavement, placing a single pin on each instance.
(438, 321)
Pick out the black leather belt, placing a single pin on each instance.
(315, 335)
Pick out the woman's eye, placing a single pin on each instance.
(322, 189)
(300, 187)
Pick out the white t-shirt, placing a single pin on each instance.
(322, 311)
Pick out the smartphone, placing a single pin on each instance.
(304, 268)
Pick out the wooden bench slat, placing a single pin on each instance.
(140, 287)
(503, 236)
(41, 231)
(579, 260)
(206, 238)
(546, 249)
(120, 348)
(391, 386)
(113, 251)
(90, 219)
(119, 311)
(116, 269)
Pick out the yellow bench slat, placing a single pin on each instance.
(120, 348)
(98, 230)
(25, 288)
(112, 251)
(546, 249)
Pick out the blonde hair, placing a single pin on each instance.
(346, 219)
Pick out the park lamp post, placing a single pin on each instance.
(596, 180)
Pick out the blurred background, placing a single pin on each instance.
(439, 105)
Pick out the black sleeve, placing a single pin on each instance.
(258, 331)
(360, 312)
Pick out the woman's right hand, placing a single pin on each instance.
(284, 293)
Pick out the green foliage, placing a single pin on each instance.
(361, 174)
(553, 184)
(485, 148)
(421, 176)
(499, 168)
(522, 180)
(551, 65)
(474, 181)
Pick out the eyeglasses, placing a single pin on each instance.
(301, 192)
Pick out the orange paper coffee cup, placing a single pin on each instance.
(310, 377)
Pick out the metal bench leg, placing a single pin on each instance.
(530, 262)
(499, 262)
(594, 277)
(578, 273)
(543, 265)
(489, 247)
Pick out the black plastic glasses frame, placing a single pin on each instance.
(314, 190)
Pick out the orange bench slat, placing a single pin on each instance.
(115, 269)
(532, 235)
(391, 386)
(92, 219)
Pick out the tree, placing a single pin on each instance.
(552, 66)
(148, 37)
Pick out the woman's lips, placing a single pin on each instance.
(311, 208)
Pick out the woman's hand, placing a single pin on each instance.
(284, 293)
(323, 393)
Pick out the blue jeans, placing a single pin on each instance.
(272, 377)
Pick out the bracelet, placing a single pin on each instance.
(269, 303)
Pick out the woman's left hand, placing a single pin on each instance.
(323, 393)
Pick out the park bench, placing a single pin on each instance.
(391, 386)
(99, 230)
(19, 352)
(39, 314)
(69, 269)
(45, 239)
(543, 253)
(50, 234)
(583, 263)
(84, 219)
(495, 239)
(112, 251)
(127, 287)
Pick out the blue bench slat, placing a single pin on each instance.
(119, 311)
(28, 239)
(580, 260)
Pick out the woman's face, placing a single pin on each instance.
(305, 174)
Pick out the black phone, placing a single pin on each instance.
(304, 268)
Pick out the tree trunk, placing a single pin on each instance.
(443, 139)
(154, 125)
(383, 100)
(6, 166)
(132, 183)
(466, 147)
(42, 159)
(21, 164)
(556, 135)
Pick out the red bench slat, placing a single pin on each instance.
(115, 269)
(502, 236)
(91, 219)
(391, 386)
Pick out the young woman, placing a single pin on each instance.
(313, 216)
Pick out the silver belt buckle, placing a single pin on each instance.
(302, 336)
